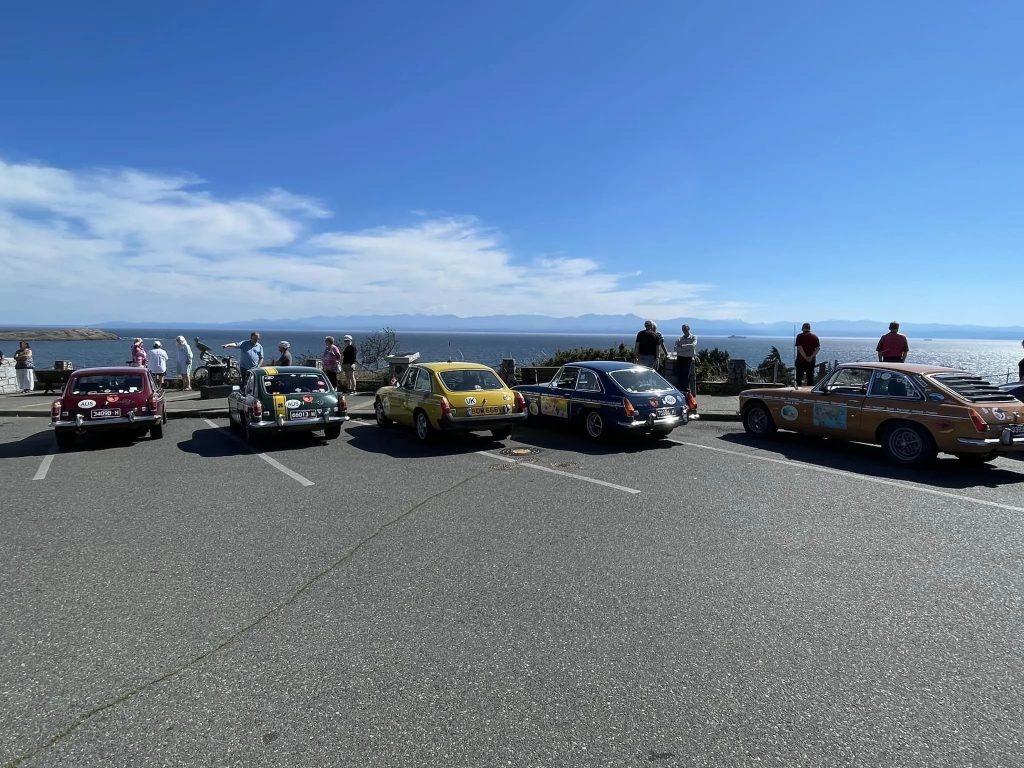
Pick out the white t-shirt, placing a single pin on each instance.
(157, 361)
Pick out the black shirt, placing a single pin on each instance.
(348, 354)
(647, 342)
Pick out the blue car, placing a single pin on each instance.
(603, 396)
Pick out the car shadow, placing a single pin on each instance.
(39, 444)
(564, 438)
(218, 442)
(401, 442)
(865, 459)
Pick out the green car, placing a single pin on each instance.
(292, 398)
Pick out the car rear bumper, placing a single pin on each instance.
(132, 421)
(478, 423)
(1007, 442)
(298, 425)
(663, 425)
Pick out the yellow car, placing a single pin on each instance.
(912, 411)
(450, 397)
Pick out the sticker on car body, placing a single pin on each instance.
(86, 403)
(555, 406)
(829, 416)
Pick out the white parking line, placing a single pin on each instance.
(273, 462)
(853, 475)
(44, 467)
(559, 472)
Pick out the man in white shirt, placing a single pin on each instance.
(158, 363)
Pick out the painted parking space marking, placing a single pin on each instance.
(853, 475)
(271, 461)
(44, 467)
(552, 471)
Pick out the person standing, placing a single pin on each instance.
(285, 357)
(686, 348)
(250, 353)
(184, 363)
(893, 346)
(139, 357)
(645, 348)
(331, 359)
(24, 367)
(807, 346)
(158, 362)
(1020, 366)
(348, 363)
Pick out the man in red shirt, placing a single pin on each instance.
(807, 346)
(893, 346)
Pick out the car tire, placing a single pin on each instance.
(200, 377)
(758, 421)
(378, 413)
(65, 440)
(232, 376)
(156, 431)
(594, 425)
(424, 429)
(332, 431)
(908, 444)
(502, 434)
(976, 459)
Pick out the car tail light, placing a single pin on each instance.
(979, 423)
(446, 407)
(55, 409)
(520, 402)
(257, 409)
(630, 410)
(342, 404)
(151, 404)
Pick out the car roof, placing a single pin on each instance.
(454, 366)
(604, 365)
(108, 369)
(289, 369)
(903, 367)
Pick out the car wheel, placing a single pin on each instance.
(502, 434)
(232, 376)
(201, 377)
(976, 459)
(758, 421)
(156, 431)
(594, 425)
(332, 431)
(424, 430)
(65, 440)
(378, 412)
(908, 444)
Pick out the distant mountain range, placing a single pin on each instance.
(599, 324)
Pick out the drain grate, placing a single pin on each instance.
(519, 451)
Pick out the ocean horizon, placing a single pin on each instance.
(996, 360)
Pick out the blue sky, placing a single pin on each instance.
(762, 161)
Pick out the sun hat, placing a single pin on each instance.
(346, 337)
(180, 339)
(283, 345)
(157, 344)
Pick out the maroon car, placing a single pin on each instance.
(115, 399)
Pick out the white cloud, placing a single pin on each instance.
(84, 246)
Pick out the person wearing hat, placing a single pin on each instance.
(139, 357)
(807, 346)
(286, 356)
(184, 362)
(158, 362)
(348, 363)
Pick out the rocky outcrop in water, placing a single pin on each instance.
(59, 334)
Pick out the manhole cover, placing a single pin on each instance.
(519, 451)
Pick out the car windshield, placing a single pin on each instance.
(104, 383)
(469, 380)
(971, 387)
(287, 383)
(640, 380)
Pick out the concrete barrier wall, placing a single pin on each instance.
(8, 380)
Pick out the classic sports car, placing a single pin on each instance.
(607, 395)
(115, 399)
(291, 398)
(912, 411)
(450, 397)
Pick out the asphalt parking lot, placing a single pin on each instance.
(704, 601)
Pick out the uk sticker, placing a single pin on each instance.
(670, 399)
(470, 401)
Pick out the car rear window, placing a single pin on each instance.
(107, 384)
(287, 383)
(469, 380)
(972, 387)
(640, 380)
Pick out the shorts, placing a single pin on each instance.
(185, 370)
(348, 367)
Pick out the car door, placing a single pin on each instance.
(420, 395)
(588, 394)
(834, 407)
(397, 405)
(555, 402)
(894, 394)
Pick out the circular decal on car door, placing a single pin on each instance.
(790, 413)
(534, 410)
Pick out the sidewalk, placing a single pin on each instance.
(183, 405)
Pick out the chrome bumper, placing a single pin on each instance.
(1006, 441)
(653, 424)
(297, 425)
(82, 424)
(473, 423)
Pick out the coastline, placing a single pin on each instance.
(59, 334)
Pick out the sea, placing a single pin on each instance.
(996, 360)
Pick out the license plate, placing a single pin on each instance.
(484, 411)
(105, 413)
(1017, 430)
(292, 415)
(665, 412)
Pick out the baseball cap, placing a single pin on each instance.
(346, 338)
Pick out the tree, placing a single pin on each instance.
(773, 367)
(374, 347)
(712, 364)
(577, 354)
